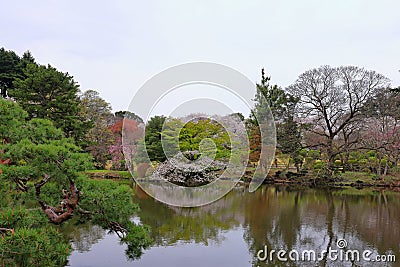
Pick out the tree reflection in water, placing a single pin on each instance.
(276, 216)
(170, 225)
(84, 236)
(315, 219)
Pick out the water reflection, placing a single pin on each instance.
(170, 225)
(232, 230)
(83, 236)
(317, 219)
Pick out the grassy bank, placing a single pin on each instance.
(108, 174)
(347, 179)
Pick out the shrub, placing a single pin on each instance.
(319, 165)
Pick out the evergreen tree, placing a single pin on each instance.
(283, 108)
(45, 169)
(48, 93)
(153, 138)
(11, 68)
(268, 95)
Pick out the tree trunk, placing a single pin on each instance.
(331, 158)
(379, 167)
(346, 166)
(288, 164)
(58, 215)
(386, 168)
(297, 167)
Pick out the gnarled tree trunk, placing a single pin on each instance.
(58, 215)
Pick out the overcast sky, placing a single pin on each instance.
(115, 46)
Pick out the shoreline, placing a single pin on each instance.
(359, 182)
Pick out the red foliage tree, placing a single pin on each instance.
(132, 134)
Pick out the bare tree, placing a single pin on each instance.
(333, 98)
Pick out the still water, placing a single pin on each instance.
(233, 230)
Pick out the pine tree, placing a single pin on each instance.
(48, 93)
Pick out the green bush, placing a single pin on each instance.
(319, 165)
(338, 163)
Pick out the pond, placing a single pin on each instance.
(243, 228)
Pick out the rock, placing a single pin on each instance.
(189, 169)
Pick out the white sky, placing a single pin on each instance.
(199, 98)
(115, 46)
